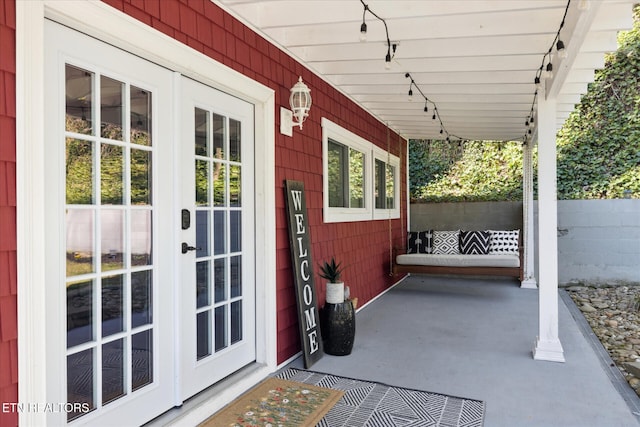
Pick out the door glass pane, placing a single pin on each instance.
(234, 140)
(79, 312)
(235, 229)
(112, 242)
(141, 298)
(202, 233)
(111, 174)
(140, 177)
(79, 98)
(235, 185)
(113, 385)
(111, 108)
(236, 276)
(112, 305)
(80, 239)
(80, 171)
(142, 359)
(140, 116)
(141, 237)
(221, 327)
(219, 183)
(236, 321)
(201, 118)
(203, 334)
(220, 280)
(218, 136)
(202, 284)
(219, 232)
(202, 183)
(80, 382)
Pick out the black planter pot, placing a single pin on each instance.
(338, 328)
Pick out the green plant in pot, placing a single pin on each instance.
(331, 271)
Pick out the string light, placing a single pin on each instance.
(391, 47)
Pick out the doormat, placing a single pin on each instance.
(277, 402)
(370, 404)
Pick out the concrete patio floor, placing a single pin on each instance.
(473, 338)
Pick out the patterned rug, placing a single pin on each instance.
(370, 404)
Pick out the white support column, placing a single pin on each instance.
(548, 345)
(529, 281)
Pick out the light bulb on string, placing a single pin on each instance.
(562, 51)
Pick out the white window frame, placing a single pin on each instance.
(391, 160)
(341, 135)
(332, 131)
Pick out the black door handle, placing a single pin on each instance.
(186, 248)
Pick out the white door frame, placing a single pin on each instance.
(112, 26)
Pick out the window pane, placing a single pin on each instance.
(391, 187)
(80, 238)
(79, 312)
(142, 359)
(219, 188)
(111, 92)
(202, 284)
(140, 116)
(112, 305)
(140, 177)
(202, 183)
(141, 298)
(336, 174)
(80, 172)
(202, 234)
(203, 334)
(220, 279)
(235, 186)
(141, 235)
(218, 136)
(201, 118)
(220, 327)
(79, 96)
(236, 321)
(113, 371)
(219, 232)
(380, 184)
(356, 179)
(112, 250)
(234, 140)
(80, 382)
(111, 174)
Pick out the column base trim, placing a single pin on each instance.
(550, 351)
(529, 283)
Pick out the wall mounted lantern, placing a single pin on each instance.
(300, 102)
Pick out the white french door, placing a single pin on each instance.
(218, 283)
(140, 323)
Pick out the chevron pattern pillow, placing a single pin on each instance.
(420, 242)
(503, 242)
(446, 242)
(474, 242)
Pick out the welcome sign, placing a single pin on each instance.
(303, 272)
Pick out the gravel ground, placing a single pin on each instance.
(613, 312)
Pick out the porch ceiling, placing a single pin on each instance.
(476, 60)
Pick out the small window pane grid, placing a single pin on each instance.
(218, 265)
(109, 217)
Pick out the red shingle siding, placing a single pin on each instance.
(8, 264)
(203, 26)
